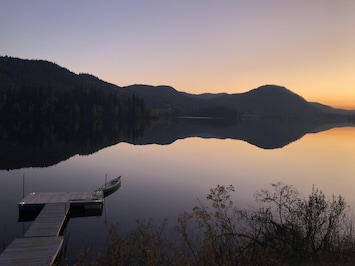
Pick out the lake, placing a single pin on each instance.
(166, 168)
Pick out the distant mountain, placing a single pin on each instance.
(269, 100)
(160, 96)
(265, 101)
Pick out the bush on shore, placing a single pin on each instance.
(284, 230)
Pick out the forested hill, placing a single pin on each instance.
(16, 73)
(37, 91)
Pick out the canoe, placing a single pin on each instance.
(110, 186)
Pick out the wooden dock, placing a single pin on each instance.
(50, 220)
(32, 251)
(42, 242)
(41, 198)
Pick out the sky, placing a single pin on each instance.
(195, 46)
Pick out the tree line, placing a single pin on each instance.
(80, 105)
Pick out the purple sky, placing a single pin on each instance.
(195, 46)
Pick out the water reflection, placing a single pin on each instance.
(161, 181)
(43, 145)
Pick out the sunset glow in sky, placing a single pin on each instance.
(195, 46)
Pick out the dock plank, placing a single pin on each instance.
(32, 251)
(50, 220)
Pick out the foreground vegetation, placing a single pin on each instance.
(284, 230)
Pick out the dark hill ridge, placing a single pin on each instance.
(265, 101)
(165, 97)
(269, 100)
(16, 73)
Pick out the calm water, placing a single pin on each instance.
(160, 181)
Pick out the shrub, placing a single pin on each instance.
(284, 230)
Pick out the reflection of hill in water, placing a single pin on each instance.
(265, 134)
(43, 146)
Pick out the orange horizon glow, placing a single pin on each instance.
(195, 46)
(341, 105)
(346, 102)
